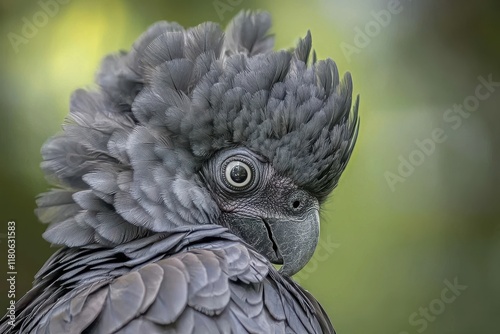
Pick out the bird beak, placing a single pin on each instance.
(287, 241)
(294, 240)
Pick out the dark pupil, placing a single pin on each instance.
(239, 174)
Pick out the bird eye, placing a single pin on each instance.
(238, 174)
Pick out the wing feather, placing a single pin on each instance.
(225, 289)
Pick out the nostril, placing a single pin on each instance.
(297, 201)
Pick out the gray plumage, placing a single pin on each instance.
(156, 238)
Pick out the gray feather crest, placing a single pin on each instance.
(128, 158)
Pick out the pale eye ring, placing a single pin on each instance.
(238, 174)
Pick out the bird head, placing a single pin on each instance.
(199, 126)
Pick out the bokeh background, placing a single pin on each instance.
(387, 251)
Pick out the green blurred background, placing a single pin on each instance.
(386, 252)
